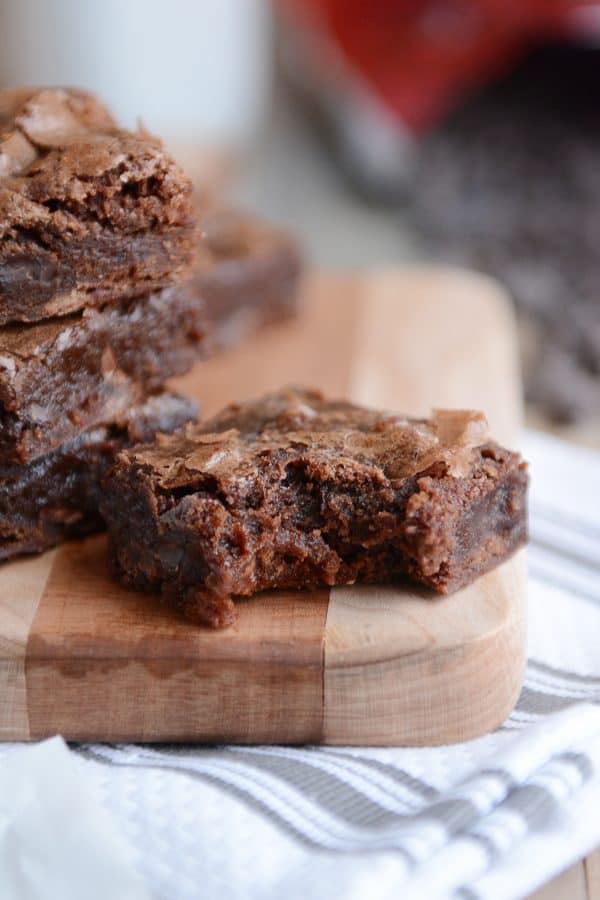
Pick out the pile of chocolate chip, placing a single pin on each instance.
(510, 185)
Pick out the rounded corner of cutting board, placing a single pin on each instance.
(406, 669)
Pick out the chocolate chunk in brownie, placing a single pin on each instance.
(56, 497)
(247, 271)
(65, 375)
(294, 491)
(89, 212)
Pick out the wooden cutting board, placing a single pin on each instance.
(81, 656)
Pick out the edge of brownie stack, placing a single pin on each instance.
(111, 282)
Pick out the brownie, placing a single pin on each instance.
(89, 212)
(56, 497)
(66, 374)
(247, 271)
(294, 491)
(62, 376)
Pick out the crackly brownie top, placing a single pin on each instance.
(21, 342)
(229, 234)
(339, 439)
(64, 162)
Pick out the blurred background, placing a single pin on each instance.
(381, 132)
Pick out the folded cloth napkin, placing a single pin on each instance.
(492, 818)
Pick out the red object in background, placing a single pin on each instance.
(421, 56)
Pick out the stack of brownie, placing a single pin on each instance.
(109, 285)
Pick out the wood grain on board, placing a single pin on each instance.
(84, 657)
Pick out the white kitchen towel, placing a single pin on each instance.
(492, 818)
(56, 838)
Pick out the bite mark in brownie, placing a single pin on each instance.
(62, 376)
(89, 212)
(56, 497)
(294, 491)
